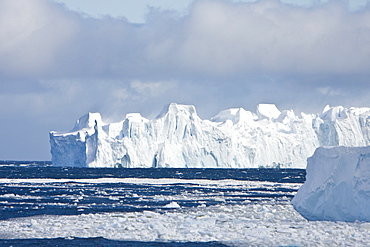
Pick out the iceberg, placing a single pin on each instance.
(337, 187)
(234, 138)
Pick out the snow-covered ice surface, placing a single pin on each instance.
(337, 185)
(235, 138)
(235, 212)
(265, 224)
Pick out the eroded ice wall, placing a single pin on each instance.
(235, 138)
(337, 186)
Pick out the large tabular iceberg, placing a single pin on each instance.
(337, 186)
(235, 138)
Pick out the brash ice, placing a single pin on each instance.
(235, 138)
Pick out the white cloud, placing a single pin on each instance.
(273, 37)
(215, 38)
(32, 33)
(329, 91)
(151, 89)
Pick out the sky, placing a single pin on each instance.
(62, 59)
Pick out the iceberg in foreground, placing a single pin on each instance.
(235, 138)
(337, 186)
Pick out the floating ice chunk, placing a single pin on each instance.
(172, 205)
(337, 186)
(251, 224)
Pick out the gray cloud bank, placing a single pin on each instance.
(56, 64)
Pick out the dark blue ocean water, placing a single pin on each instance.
(82, 192)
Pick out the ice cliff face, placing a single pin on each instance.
(337, 185)
(235, 138)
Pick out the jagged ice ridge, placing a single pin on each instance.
(235, 138)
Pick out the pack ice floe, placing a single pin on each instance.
(235, 138)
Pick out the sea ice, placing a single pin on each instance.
(266, 221)
(337, 186)
(235, 138)
(262, 224)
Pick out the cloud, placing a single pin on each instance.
(150, 89)
(328, 91)
(216, 38)
(56, 64)
(31, 34)
(271, 37)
